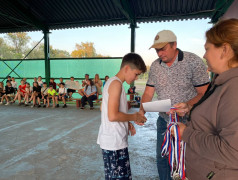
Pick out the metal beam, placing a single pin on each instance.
(25, 13)
(126, 9)
(47, 56)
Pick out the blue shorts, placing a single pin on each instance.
(64, 96)
(117, 164)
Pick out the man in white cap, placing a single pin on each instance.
(176, 75)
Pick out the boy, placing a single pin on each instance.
(62, 95)
(9, 92)
(44, 93)
(52, 82)
(36, 94)
(14, 85)
(113, 132)
(51, 95)
(71, 91)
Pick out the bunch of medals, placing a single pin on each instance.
(174, 148)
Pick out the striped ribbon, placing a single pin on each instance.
(174, 148)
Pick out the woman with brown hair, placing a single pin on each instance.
(212, 132)
(89, 94)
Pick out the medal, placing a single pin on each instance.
(174, 148)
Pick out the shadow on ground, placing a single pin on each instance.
(60, 144)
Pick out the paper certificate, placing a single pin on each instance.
(72, 85)
(157, 106)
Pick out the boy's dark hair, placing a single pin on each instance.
(50, 85)
(71, 77)
(62, 84)
(86, 74)
(44, 83)
(135, 61)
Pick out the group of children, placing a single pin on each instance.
(38, 92)
(55, 92)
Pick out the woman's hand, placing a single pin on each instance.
(182, 127)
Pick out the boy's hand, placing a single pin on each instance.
(132, 130)
(140, 118)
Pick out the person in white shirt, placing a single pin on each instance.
(14, 85)
(40, 82)
(115, 126)
(44, 93)
(62, 95)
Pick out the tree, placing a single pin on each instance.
(5, 50)
(85, 50)
(18, 43)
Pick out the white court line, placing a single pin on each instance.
(23, 123)
(43, 145)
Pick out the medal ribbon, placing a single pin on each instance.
(174, 148)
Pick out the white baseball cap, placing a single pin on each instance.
(162, 38)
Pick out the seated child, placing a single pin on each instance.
(27, 94)
(51, 95)
(84, 83)
(90, 94)
(71, 91)
(61, 81)
(36, 94)
(20, 93)
(2, 89)
(14, 85)
(39, 81)
(44, 93)
(113, 132)
(61, 95)
(52, 82)
(9, 92)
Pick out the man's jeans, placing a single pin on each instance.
(162, 163)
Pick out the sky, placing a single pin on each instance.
(114, 41)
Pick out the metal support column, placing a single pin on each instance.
(133, 37)
(47, 56)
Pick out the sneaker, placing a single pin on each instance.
(39, 106)
(26, 103)
(44, 106)
(0, 103)
(57, 105)
(7, 104)
(91, 108)
(19, 104)
(64, 106)
(32, 106)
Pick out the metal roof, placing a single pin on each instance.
(45, 15)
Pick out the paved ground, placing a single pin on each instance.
(60, 144)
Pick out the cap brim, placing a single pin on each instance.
(159, 45)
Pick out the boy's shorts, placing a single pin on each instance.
(65, 96)
(39, 95)
(45, 96)
(117, 164)
(71, 90)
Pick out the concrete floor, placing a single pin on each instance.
(60, 144)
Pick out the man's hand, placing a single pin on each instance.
(142, 112)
